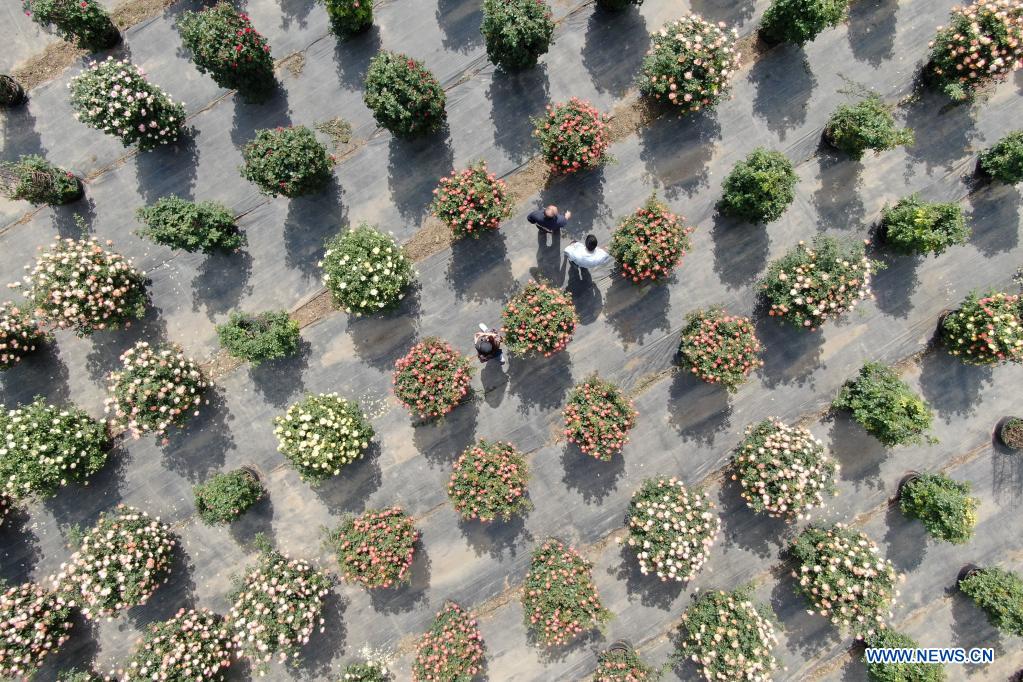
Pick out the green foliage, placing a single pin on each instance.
(489, 480)
(943, 505)
(370, 671)
(899, 672)
(376, 549)
(1004, 160)
(650, 243)
(193, 645)
(82, 22)
(451, 650)
(404, 95)
(224, 45)
(719, 348)
(38, 181)
(983, 42)
(366, 270)
(760, 188)
(598, 417)
(559, 599)
(884, 405)
(620, 664)
(539, 319)
(348, 17)
(20, 332)
(617, 5)
(75, 675)
(206, 226)
(800, 21)
(915, 226)
(573, 136)
(985, 330)
(11, 92)
(287, 161)
(471, 201)
(868, 124)
(225, 497)
(999, 593)
(269, 335)
(516, 32)
(321, 434)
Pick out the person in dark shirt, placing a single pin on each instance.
(548, 219)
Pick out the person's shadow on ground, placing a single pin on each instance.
(549, 265)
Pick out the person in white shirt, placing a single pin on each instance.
(586, 256)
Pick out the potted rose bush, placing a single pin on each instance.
(376, 549)
(621, 663)
(540, 319)
(784, 470)
(366, 270)
(650, 243)
(559, 599)
(102, 579)
(404, 95)
(78, 285)
(156, 388)
(899, 672)
(671, 528)
(451, 650)
(598, 418)
(192, 645)
(20, 334)
(489, 481)
(224, 497)
(432, 378)
(999, 594)
(729, 636)
(206, 226)
(1003, 161)
(800, 21)
(85, 23)
(38, 182)
(690, 63)
(349, 17)
(114, 97)
(943, 505)
(1010, 432)
(257, 338)
(516, 32)
(913, 226)
(866, 125)
(286, 162)
(843, 577)
(471, 201)
(322, 434)
(33, 624)
(986, 329)
(814, 283)
(720, 348)
(760, 187)
(573, 136)
(884, 405)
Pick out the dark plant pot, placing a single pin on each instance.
(906, 480)
(77, 195)
(251, 471)
(621, 645)
(768, 39)
(11, 92)
(942, 316)
(967, 571)
(1005, 439)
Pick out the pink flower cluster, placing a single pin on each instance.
(33, 623)
(471, 201)
(376, 549)
(650, 243)
(986, 329)
(452, 650)
(720, 348)
(598, 418)
(193, 645)
(573, 136)
(489, 480)
(19, 334)
(540, 319)
(559, 598)
(983, 42)
(432, 378)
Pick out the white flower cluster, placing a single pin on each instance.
(33, 624)
(728, 635)
(193, 645)
(366, 270)
(690, 62)
(322, 434)
(19, 334)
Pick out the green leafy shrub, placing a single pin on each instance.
(689, 64)
(370, 671)
(598, 417)
(349, 17)
(573, 136)
(719, 348)
(376, 549)
(650, 243)
(366, 270)
(82, 22)
(868, 124)
(471, 201)
(322, 434)
(206, 226)
(451, 650)
(432, 378)
(225, 497)
(944, 506)
(516, 32)
(800, 21)
(899, 672)
(287, 162)
(114, 97)
(38, 182)
(404, 95)
(559, 599)
(224, 45)
(759, 188)
(20, 333)
(193, 645)
(1004, 160)
(999, 593)
(884, 405)
(617, 5)
(34, 623)
(489, 480)
(1011, 433)
(75, 675)
(620, 664)
(915, 226)
(11, 92)
(539, 319)
(985, 330)
(257, 338)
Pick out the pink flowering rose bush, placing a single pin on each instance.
(540, 319)
(559, 599)
(20, 334)
(649, 244)
(573, 136)
(471, 201)
(322, 434)
(119, 563)
(622, 665)
(193, 645)
(983, 43)
(671, 529)
(986, 329)
(720, 348)
(376, 548)
(598, 418)
(451, 650)
(34, 623)
(432, 378)
(489, 480)
(156, 388)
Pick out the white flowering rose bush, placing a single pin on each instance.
(115, 98)
(671, 528)
(986, 329)
(321, 434)
(76, 284)
(784, 470)
(193, 645)
(366, 271)
(982, 43)
(119, 564)
(34, 623)
(6, 506)
(842, 575)
(20, 334)
(155, 389)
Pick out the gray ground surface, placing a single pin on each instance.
(685, 428)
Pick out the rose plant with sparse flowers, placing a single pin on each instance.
(559, 599)
(38, 181)
(451, 650)
(598, 418)
(20, 333)
(1003, 160)
(784, 470)
(119, 563)
(622, 665)
(206, 226)
(348, 17)
(573, 136)
(404, 96)
(85, 23)
(985, 330)
(999, 594)
(33, 624)
(885, 405)
(650, 243)
(880, 671)
(489, 480)
(539, 319)
(913, 226)
(286, 162)
(155, 389)
(720, 348)
(192, 645)
(516, 32)
(942, 504)
(322, 434)
(671, 528)
(224, 497)
(366, 270)
(866, 125)
(432, 378)
(471, 201)
(370, 671)
(376, 548)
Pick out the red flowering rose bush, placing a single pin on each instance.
(78, 285)
(471, 201)
(376, 549)
(193, 645)
(348, 17)
(598, 418)
(155, 389)
(322, 434)
(784, 470)
(539, 319)
(20, 333)
(573, 136)
(622, 665)
(650, 243)
(559, 599)
(119, 563)
(985, 330)
(404, 95)
(671, 528)
(286, 161)
(719, 348)
(85, 23)
(33, 624)
(489, 480)
(451, 650)
(432, 379)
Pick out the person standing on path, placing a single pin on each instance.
(548, 219)
(586, 256)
